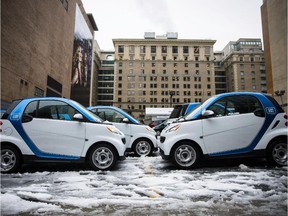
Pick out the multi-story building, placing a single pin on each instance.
(44, 48)
(105, 84)
(274, 26)
(162, 71)
(244, 64)
(220, 73)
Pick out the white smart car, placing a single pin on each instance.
(228, 125)
(140, 139)
(57, 129)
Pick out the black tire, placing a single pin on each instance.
(102, 157)
(277, 153)
(143, 147)
(185, 155)
(11, 159)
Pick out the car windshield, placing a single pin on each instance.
(89, 113)
(194, 113)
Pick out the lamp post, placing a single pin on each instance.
(280, 93)
(171, 93)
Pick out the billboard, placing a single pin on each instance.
(82, 60)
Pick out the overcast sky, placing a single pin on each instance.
(220, 20)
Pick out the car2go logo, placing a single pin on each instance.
(228, 125)
(57, 129)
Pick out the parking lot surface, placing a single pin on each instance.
(147, 186)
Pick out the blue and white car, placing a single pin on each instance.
(140, 139)
(228, 125)
(55, 129)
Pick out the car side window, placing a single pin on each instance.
(31, 109)
(56, 110)
(235, 105)
(110, 115)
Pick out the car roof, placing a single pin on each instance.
(117, 109)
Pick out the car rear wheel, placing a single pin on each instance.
(185, 155)
(10, 159)
(102, 157)
(277, 153)
(143, 147)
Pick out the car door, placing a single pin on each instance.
(116, 118)
(50, 126)
(234, 126)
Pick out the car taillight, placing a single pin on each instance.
(286, 117)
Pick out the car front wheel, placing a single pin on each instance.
(185, 155)
(143, 147)
(102, 157)
(277, 153)
(10, 159)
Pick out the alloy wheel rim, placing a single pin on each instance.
(185, 155)
(280, 153)
(102, 158)
(143, 148)
(8, 160)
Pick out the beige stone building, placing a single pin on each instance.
(162, 71)
(37, 39)
(274, 25)
(244, 64)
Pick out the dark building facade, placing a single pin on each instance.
(37, 42)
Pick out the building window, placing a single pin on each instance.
(196, 50)
(241, 73)
(131, 49)
(207, 50)
(174, 49)
(185, 49)
(142, 49)
(164, 49)
(153, 49)
(197, 65)
(120, 49)
(38, 92)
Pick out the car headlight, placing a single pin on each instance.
(173, 128)
(114, 130)
(149, 129)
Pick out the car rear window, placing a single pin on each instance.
(9, 110)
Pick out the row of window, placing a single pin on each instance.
(164, 49)
(163, 101)
(175, 58)
(164, 78)
(165, 64)
(164, 93)
(186, 72)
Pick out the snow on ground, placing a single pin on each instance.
(147, 186)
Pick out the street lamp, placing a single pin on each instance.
(280, 94)
(171, 93)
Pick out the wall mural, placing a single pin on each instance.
(82, 60)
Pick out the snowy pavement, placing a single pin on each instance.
(146, 186)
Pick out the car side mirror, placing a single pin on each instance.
(208, 113)
(78, 117)
(125, 120)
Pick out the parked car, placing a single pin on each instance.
(140, 139)
(156, 122)
(160, 127)
(55, 129)
(182, 109)
(228, 125)
(177, 112)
